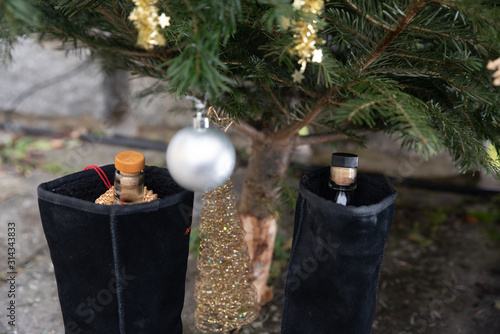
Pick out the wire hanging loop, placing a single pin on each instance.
(200, 122)
(198, 104)
(223, 123)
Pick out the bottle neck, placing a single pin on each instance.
(129, 187)
(125, 174)
(342, 197)
(343, 180)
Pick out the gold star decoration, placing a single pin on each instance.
(146, 20)
(297, 4)
(297, 76)
(495, 66)
(285, 23)
(164, 20)
(317, 56)
(305, 38)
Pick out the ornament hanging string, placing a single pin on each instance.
(223, 123)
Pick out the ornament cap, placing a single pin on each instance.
(130, 162)
(200, 122)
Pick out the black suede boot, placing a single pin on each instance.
(336, 257)
(119, 268)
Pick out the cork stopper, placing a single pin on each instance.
(130, 162)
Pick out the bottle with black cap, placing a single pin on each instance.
(343, 177)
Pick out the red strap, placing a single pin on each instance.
(101, 173)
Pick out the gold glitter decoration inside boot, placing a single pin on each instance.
(108, 198)
(225, 296)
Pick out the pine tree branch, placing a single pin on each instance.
(322, 102)
(309, 93)
(403, 71)
(468, 41)
(123, 21)
(352, 31)
(442, 34)
(410, 121)
(449, 81)
(165, 6)
(291, 85)
(402, 55)
(249, 131)
(319, 138)
(193, 17)
(453, 4)
(275, 99)
(394, 33)
(366, 106)
(466, 145)
(367, 17)
(336, 131)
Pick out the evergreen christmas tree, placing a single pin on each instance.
(415, 69)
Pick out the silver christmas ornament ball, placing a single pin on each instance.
(200, 159)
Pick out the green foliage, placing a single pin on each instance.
(281, 256)
(24, 154)
(17, 18)
(286, 197)
(414, 69)
(488, 215)
(425, 232)
(194, 242)
(493, 233)
(19, 14)
(418, 237)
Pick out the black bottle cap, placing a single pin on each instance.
(348, 160)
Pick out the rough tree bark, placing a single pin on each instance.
(269, 160)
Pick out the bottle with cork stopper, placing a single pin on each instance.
(343, 177)
(129, 177)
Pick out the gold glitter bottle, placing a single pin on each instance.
(343, 176)
(129, 177)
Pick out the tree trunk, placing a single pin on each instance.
(269, 161)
